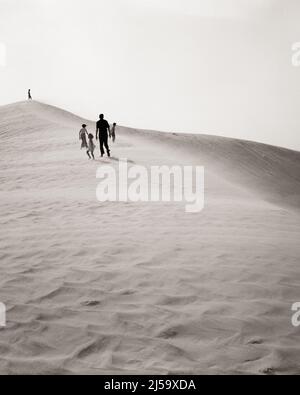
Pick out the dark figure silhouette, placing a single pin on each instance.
(29, 94)
(103, 129)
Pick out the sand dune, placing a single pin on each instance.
(145, 288)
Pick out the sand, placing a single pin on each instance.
(145, 288)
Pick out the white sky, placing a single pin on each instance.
(213, 66)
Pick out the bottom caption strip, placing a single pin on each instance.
(143, 384)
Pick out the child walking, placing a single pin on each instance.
(113, 132)
(91, 147)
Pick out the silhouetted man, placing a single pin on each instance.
(29, 94)
(103, 129)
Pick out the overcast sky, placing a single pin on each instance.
(212, 66)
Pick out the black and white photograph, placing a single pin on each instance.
(149, 190)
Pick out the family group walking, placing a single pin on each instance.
(103, 131)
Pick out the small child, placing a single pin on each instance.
(113, 132)
(91, 147)
(82, 136)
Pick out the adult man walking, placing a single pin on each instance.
(102, 131)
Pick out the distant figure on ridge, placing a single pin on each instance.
(91, 147)
(29, 94)
(113, 132)
(102, 131)
(82, 136)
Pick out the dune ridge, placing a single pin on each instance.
(145, 288)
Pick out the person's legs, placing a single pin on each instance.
(88, 154)
(106, 145)
(101, 146)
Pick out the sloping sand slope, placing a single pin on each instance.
(145, 288)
